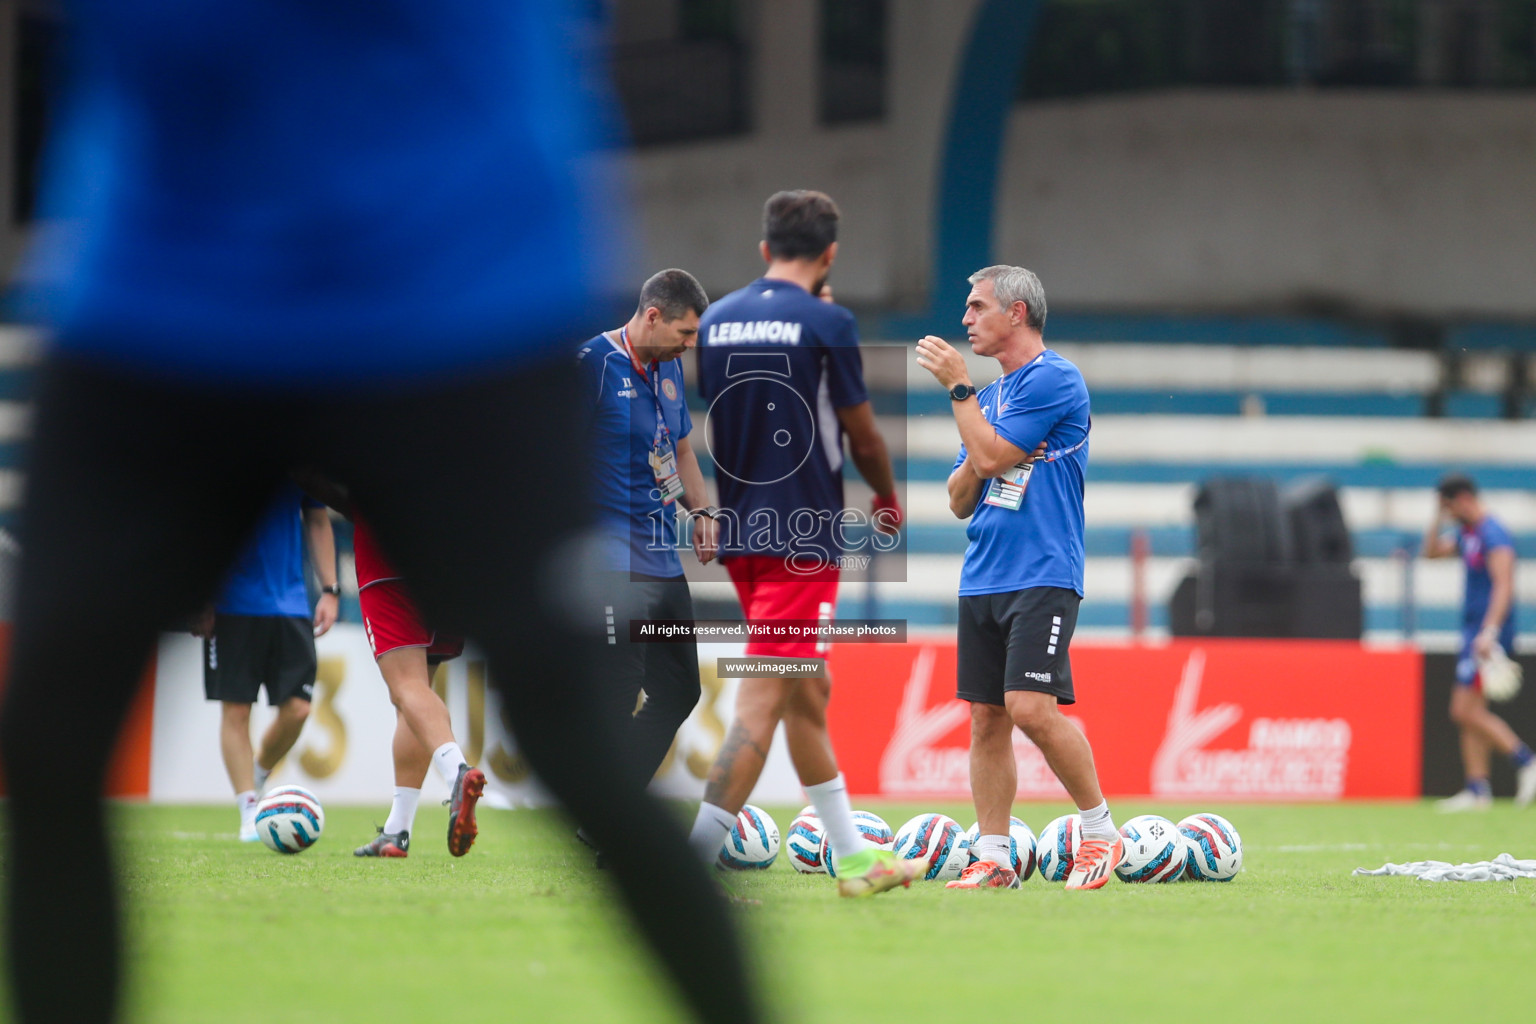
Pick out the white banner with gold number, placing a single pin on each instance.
(344, 753)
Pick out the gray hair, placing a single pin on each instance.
(1015, 284)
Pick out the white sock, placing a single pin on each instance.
(831, 801)
(262, 775)
(1097, 824)
(447, 759)
(402, 811)
(709, 831)
(996, 849)
(247, 803)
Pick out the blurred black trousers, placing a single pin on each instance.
(140, 493)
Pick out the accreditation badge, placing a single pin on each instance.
(1007, 491)
(664, 466)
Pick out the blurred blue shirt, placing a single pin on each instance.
(1473, 544)
(274, 190)
(268, 578)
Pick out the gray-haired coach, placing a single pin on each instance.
(1019, 479)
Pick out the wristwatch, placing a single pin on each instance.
(960, 392)
(334, 588)
(709, 511)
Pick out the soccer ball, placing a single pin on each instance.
(1215, 848)
(1057, 847)
(1155, 850)
(1021, 848)
(753, 842)
(803, 843)
(871, 826)
(937, 839)
(289, 819)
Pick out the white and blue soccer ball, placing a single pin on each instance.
(937, 839)
(753, 842)
(289, 819)
(871, 826)
(1056, 849)
(1215, 848)
(1021, 846)
(1155, 850)
(802, 843)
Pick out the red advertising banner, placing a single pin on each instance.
(1220, 719)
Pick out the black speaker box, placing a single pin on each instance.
(1239, 519)
(1316, 520)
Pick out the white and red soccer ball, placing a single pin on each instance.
(1056, 849)
(802, 843)
(1154, 850)
(289, 819)
(1215, 848)
(936, 839)
(753, 842)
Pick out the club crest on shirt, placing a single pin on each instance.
(669, 389)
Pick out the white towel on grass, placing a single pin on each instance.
(1502, 868)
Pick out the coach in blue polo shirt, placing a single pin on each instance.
(1019, 479)
(645, 472)
(261, 633)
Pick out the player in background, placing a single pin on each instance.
(781, 371)
(252, 258)
(260, 632)
(1019, 480)
(407, 653)
(644, 468)
(1487, 621)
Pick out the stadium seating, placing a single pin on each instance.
(1280, 399)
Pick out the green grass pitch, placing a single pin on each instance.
(524, 928)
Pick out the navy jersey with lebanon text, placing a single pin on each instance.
(1473, 544)
(1039, 544)
(639, 531)
(281, 190)
(268, 577)
(775, 365)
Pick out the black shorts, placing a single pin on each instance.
(247, 652)
(1016, 641)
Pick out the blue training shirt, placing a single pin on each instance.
(272, 191)
(1473, 544)
(775, 365)
(639, 531)
(268, 578)
(1040, 544)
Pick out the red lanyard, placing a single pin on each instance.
(663, 435)
(630, 350)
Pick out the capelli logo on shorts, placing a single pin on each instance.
(1039, 677)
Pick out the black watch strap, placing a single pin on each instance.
(712, 511)
(960, 392)
(334, 588)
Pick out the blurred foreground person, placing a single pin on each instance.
(352, 237)
(1487, 635)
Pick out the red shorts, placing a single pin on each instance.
(391, 621)
(768, 590)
